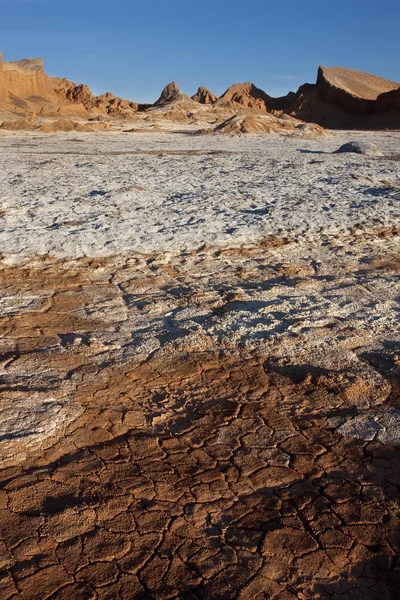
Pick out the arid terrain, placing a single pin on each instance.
(199, 341)
(200, 360)
(341, 98)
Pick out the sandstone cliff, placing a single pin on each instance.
(23, 85)
(354, 92)
(26, 89)
(344, 98)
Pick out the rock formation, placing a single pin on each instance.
(204, 96)
(344, 98)
(340, 99)
(261, 124)
(247, 95)
(354, 92)
(171, 93)
(347, 83)
(62, 125)
(173, 105)
(389, 101)
(23, 85)
(26, 89)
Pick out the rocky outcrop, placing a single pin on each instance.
(344, 98)
(22, 81)
(171, 93)
(106, 104)
(204, 96)
(340, 99)
(354, 92)
(114, 106)
(25, 88)
(248, 96)
(259, 124)
(358, 147)
(62, 125)
(173, 105)
(81, 94)
(389, 101)
(19, 125)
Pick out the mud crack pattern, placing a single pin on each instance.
(186, 467)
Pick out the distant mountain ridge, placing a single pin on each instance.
(340, 98)
(26, 89)
(344, 98)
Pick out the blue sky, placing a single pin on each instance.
(135, 47)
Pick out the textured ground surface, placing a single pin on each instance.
(216, 421)
(98, 194)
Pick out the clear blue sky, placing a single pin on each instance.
(134, 47)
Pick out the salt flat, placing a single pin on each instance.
(199, 367)
(98, 195)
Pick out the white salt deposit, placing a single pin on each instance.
(26, 425)
(97, 194)
(72, 196)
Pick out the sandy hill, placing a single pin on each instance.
(259, 124)
(174, 105)
(340, 98)
(204, 96)
(247, 95)
(171, 93)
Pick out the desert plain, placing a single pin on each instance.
(199, 341)
(199, 366)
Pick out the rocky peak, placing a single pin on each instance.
(248, 95)
(170, 93)
(82, 94)
(204, 96)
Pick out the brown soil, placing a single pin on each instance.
(196, 473)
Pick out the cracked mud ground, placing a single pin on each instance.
(219, 424)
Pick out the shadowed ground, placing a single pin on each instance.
(167, 458)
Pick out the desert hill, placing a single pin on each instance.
(171, 93)
(173, 105)
(259, 124)
(26, 89)
(390, 101)
(247, 95)
(355, 83)
(204, 96)
(339, 99)
(344, 98)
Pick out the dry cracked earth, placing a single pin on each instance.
(220, 424)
